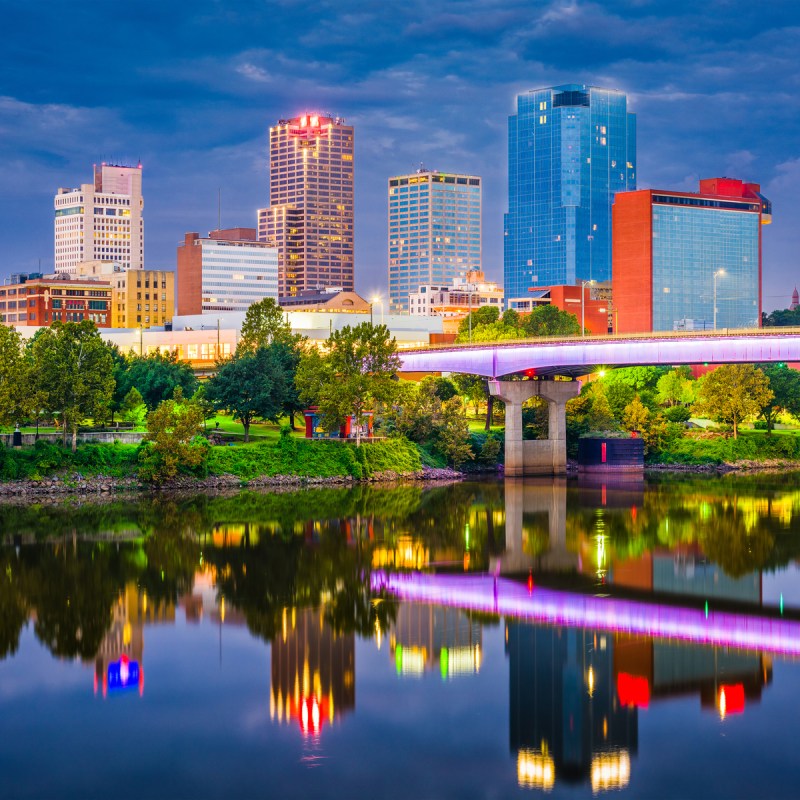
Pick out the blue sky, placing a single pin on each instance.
(191, 89)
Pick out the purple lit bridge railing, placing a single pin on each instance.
(578, 356)
(508, 598)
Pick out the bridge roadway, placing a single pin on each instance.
(577, 355)
(508, 598)
(570, 357)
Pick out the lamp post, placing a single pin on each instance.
(584, 284)
(717, 273)
(376, 300)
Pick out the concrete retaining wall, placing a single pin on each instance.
(123, 437)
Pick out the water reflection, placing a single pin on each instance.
(613, 600)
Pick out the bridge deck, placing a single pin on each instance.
(579, 355)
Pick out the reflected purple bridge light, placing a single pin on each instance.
(511, 599)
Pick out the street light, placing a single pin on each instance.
(584, 284)
(716, 275)
(376, 300)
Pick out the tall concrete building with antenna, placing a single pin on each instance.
(101, 221)
(310, 213)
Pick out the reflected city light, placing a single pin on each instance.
(536, 770)
(730, 700)
(610, 771)
(410, 660)
(455, 661)
(508, 598)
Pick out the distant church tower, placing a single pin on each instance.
(795, 300)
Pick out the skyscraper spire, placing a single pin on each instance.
(795, 300)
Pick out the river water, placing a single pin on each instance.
(480, 640)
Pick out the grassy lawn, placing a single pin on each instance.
(478, 424)
(259, 431)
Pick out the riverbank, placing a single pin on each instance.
(77, 484)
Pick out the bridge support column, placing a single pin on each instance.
(542, 456)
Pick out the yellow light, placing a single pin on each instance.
(590, 681)
(602, 373)
(610, 770)
(535, 769)
(723, 703)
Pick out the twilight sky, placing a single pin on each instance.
(191, 89)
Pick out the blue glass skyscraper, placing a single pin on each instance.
(570, 149)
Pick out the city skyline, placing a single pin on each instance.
(196, 106)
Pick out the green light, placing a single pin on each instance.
(781, 603)
(444, 663)
(706, 609)
(466, 534)
(398, 659)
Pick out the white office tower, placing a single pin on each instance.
(101, 221)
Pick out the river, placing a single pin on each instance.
(477, 640)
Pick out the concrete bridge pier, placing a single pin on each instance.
(539, 456)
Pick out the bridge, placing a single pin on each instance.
(548, 359)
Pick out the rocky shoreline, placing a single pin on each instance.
(76, 484)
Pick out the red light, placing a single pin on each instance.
(530, 582)
(530, 372)
(310, 713)
(731, 698)
(633, 690)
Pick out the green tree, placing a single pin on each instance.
(289, 354)
(785, 385)
(15, 378)
(674, 388)
(548, 320)
(781, 318)
(156, 376)
(133, 408)
(357, 372)
(652, 427)
(251, 385)
(200, 399)
(452, 434)
(485, 315)
(173, 441)
(74, 373)
(732, 393)
(121, 386)
(600, 416)
(265, 323)
(443, 388)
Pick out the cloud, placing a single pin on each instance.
(254, 73)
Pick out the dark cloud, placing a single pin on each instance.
(191, 90)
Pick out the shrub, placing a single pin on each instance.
(678, 414)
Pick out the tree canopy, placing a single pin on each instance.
(156, 377)
(357, 371)
(73, 372)
(251, 385)
(732, 393)
(785, 385)
(264, 323)
(14, 377)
